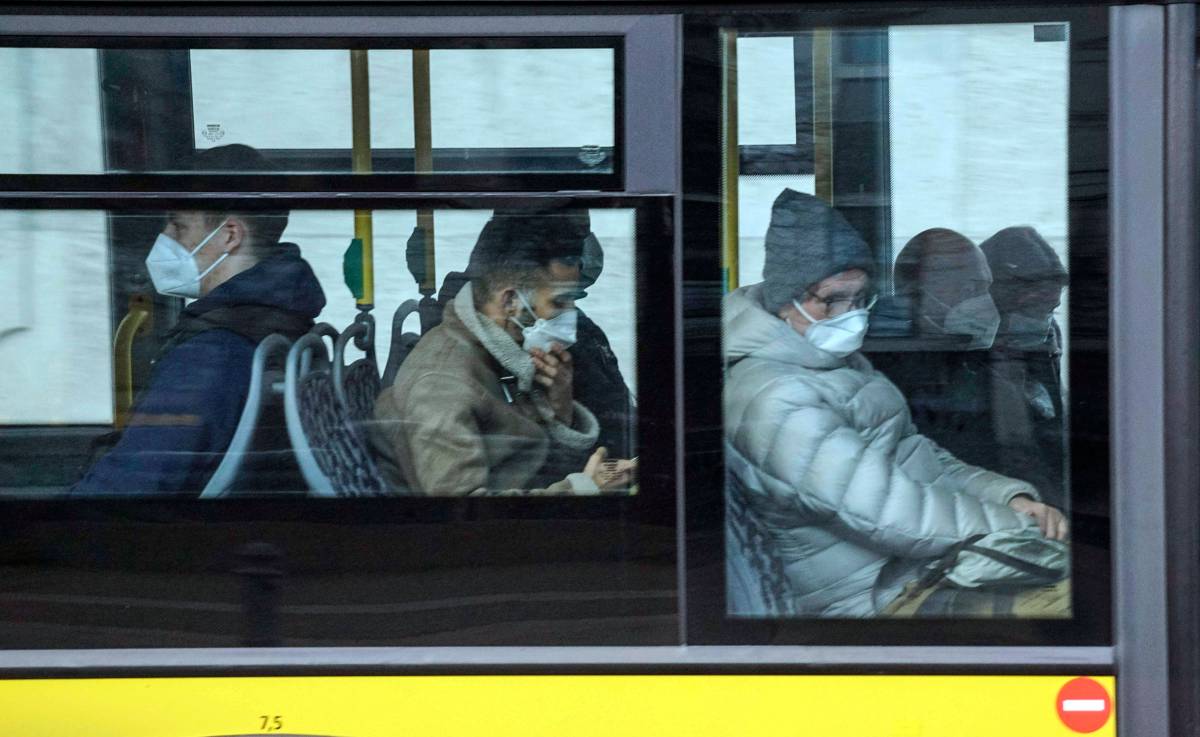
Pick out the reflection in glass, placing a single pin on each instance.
(894, 458)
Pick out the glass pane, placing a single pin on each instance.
(50, 111)
(896, 392)
(487, 110)
(766, 90)
(530, 372)
(55, 319)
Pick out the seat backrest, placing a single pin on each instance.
(402, 342)
(357, 385)
(333, 457)
(255, 437)
(755, 582)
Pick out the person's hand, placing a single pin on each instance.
(555, 372)
(610, 475)
(1051, 521)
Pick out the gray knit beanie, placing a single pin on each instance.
(807, 241)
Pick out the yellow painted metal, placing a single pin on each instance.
(360, 102)
(822, 51)
(730, 164)
(423, 158)
(135, 323)
(542, 706)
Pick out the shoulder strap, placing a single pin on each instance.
(1033, 569)
(252, 322)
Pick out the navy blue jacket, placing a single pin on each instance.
(183, 422)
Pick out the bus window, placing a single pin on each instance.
(548, 380)
(508, 110)
(895, 324)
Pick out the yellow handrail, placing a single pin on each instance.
(423, 158)
(360, 102)
(730, 167)
(136, 322)
(822, 51)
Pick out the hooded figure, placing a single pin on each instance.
(1026, 361)
(944, 369)
(821, 451)
(945, 278)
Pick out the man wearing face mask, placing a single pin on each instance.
(598, 382)
(485, 403)
(1027, 357)
(246, 285)
(821, 447)
(943, 369)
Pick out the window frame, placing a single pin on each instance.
(1087, 175)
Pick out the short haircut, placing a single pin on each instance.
(266, 226)
(517, 245)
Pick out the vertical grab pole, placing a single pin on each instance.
(423, 159)
(730, 164)
(822, 50)
(136, 322)
(360, 96)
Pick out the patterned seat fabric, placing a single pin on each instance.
(338, 450)
(754, 571)
(361, 386)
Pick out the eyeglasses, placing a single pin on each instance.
(839, 305)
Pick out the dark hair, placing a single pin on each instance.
(266, 227)
(517, 246)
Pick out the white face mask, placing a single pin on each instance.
(1028, 333)
(173, 268)
(542, 333)
(841, 335)
(976, 317)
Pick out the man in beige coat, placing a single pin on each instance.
(484, 404)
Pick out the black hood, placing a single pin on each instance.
(283, 280)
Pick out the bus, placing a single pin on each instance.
(599, 368)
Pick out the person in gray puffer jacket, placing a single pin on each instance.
(821, 449)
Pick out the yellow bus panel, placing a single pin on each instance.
(545, 706)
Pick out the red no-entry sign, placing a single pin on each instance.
(1084, 705)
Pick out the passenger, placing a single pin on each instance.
(485, 403)
(1027, 357)
(246, 285)
(945, 278)
(599, 385)
(945, 374)
(822, 448)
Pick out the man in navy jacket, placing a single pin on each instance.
(247, 285)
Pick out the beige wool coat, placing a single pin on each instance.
(448, 427)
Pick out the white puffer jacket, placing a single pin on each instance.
(823, 451)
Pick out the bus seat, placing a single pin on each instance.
(357, 385)
(333, 457)
(755, 582)
(259, 458)
(402, 342)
